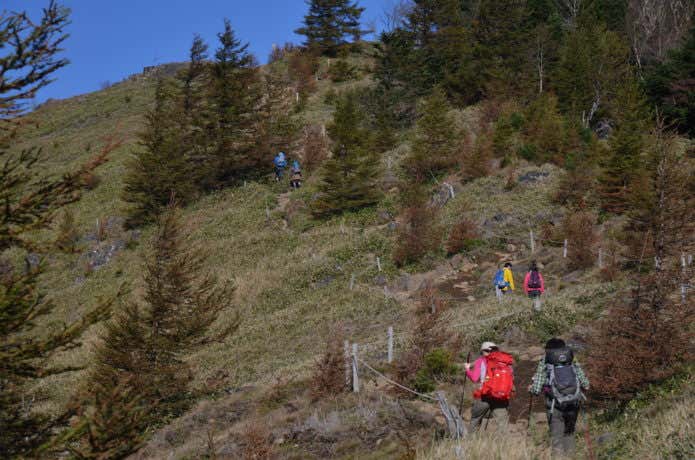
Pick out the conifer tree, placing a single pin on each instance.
(235, 98)
(436, 140)
(140, 373)
(593, 63)
(30, 58)
(671, 85)
(160, 167)
(502, 46)
(277, 128)
(651, 327)
(623, 162)
(350, 177)
(328, 24)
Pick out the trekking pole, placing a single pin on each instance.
(463, 387)
(587, 435)
(530, 408)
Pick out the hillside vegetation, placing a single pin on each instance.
(471, 174)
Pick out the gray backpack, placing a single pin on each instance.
(563, 381)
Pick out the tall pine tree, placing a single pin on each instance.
(31, 55)
(141, 374)
(329, 23)
(160, 168)
(235, 98)
(436, 141)
(623, 163)
(350, 177)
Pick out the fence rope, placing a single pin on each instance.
(422, 395)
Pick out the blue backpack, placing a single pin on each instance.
(499, 279)
(280, 160)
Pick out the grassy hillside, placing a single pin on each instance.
(293, 278)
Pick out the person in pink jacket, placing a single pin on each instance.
(482, 408)
(534, 285)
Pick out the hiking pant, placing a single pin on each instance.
(499, 293)
(536, 297)
(562, 424)
(483, 409)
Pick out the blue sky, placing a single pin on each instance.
(110, 40)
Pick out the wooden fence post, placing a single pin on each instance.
(533, 242)
(352, 281)
(390, 345)
(564, 249)
(378, 263)
(600, 258)
(348, 363)
(355, 375)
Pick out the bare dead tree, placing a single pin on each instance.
(395, 13)
(657, 26)
(569, 10)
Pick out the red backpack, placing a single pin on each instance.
(499, 378)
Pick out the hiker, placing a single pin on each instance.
(534, 285)
(280, 163)
(560, 378)
(495, 376)
(503, 281)
(296, 179)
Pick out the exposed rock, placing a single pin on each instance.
(380, 280)
(102, 254)
(603, 129)
(572, 277)
(32, 261)
(515, 336)
(323, 282)
(441, 196)
(384, 217)
(532, 176)
(403, 282)
(456, 260)
(605, 438)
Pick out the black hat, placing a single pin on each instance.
(554, 343)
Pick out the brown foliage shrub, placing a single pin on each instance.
(574, 186)
(578, 228)
(315, 148)
(642, 342)
(463, 236)
(418, 235)
(277, 53)
(302, 67)
(477, 158)
(429, 333)
(329, 373)
(68, 233)
(257, 442)
(90, 181)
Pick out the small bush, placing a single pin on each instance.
(90, 181)
(257, 442)
(302, 68)
(68, 234)
(418, 236)
(329, 373)
(578, 228)
(341, 71)
(315, 148)
(437, 365)
(463, 237)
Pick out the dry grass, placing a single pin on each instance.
(486, 446)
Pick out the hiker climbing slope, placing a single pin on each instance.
(534, 285)
(280, 163)
(504, 280)
(561, 379)
(495, 376)
(296, 178)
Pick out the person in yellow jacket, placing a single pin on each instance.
(504, 281)
(508, 278)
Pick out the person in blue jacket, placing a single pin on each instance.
(280, 162)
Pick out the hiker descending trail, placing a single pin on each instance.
(504, 281)
(561, 379)
(534, 285)
(493, 371)
(280, 163)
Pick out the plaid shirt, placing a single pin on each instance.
(540, 378)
